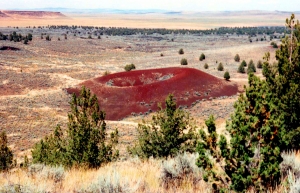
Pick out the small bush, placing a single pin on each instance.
(161, 54)
(220, 67)
(251, 67)
(237, 58)
(108, 183)
(181, 51)
(58, 39)
(241, 68)
(106, 73)
(48, 38)
(202, 57)
(183, 61)
(244, 63)
(226, 75)
(99, 37)
(290, 163)
(206, 66)
(274, 45)
(259, 64)
(129, 67)
(90, 37)
(179, 170)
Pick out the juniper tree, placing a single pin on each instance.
(237, 58)
(170, 132)
(85, 143)
(264, 124)
(251, 67)
(6, 155)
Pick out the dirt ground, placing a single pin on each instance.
(33, 99)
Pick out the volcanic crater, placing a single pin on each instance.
(138, 92)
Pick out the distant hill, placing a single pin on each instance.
(30, 14)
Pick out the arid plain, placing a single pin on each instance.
(33, 99)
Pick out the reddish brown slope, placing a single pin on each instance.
(138, 92)
(33, 14)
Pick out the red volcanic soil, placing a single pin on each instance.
(138, 92)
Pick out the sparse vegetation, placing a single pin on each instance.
(129, 67)
(259, 64)
(241, 68)
(206, 66)
(226, 75)
(181, 51)
(6, 156)
(220, 67)
(237, 58)
(184, 61)
(202, 57)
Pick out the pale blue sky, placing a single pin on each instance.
(176, 5)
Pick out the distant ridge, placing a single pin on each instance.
(3, 14)
(30, 14)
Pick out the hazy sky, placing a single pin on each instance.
(176, 5)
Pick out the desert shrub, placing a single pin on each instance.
(48, 38)
(90, 37)
(66, 37)
(86, 141)
(129, 67)
(181, 51)
(290, 163)
(161, 54)
(241, 68)
(244, 63)
(184, 61)
(202, 57)
(170, 132)
(99, 37)
(6, 155)
(106, 73)
(58, 39)
(251, 67)
(274, 45)
(293, 184)
(42, 171)
(108, 183)
(227, 75)
(26, 41)
(220, 67)
(179, 170)
(259, 64)
(206, 66)
(237, 58)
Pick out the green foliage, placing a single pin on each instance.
(6, 156)
(227, 75)
(237, 58)
(251, 67)
(202, 57)
(180, 51)
(48, 38)
(170, 132)
(85, 143)
(129, 67)
(220, 67)
(264, 124)
(244, 63)
(259, 64)
(206, 66)
(274, 45)
(241, 68)
(184, 61)
(207, 148)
